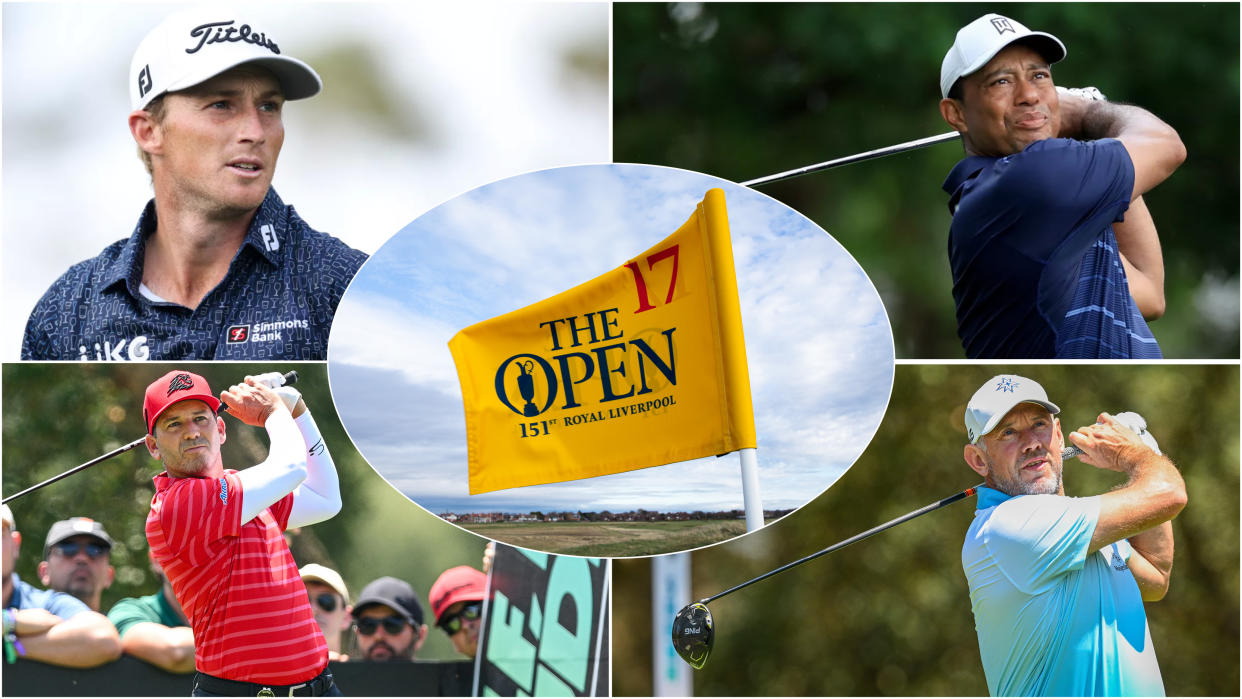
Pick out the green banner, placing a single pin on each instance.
(546, 631)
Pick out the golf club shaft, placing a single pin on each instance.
(290, 377)
(869, 155)
(842, 544)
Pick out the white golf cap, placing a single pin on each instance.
(6, 515)
(327, 576)
(994, 399)
(983, 38)
(194, 46)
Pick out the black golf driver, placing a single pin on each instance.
(693, 630)
(290, 377)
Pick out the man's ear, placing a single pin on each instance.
(974, 456)
(152, 448)
(951, 110)
(146, 132)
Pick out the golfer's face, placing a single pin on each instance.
(188, 436)
(220, 141)
(1010, 103)
(1023, 452)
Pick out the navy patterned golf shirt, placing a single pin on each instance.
(1036, 269)
(275, 302)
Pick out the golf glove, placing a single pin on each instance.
(1136, 424)
(276, 381)
(1085, 92)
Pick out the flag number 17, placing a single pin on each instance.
(641, 284)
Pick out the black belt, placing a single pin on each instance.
(315, 687)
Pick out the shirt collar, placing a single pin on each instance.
(966, 169)
(989, 497)
(127, 267)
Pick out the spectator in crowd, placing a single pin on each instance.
(457, 602)
(49, 626)
(154, 628)
(388, 621)
(77, 560)
(330, 601)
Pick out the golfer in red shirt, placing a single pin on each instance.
(217, 533)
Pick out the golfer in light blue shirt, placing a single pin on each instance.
(1057, 584)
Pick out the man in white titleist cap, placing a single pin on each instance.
(1053, 251)
(1057, 583)
(218, 266)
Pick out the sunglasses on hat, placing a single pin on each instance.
(470, 612)
(368, 625)
(69, 549)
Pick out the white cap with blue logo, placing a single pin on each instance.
(994, 399)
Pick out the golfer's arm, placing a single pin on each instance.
(86, 639)
(319, 496)
(1153, 495)
(1139, 245)
(169, 648)
(1154, 147)
(1152, 560)
(282, 471)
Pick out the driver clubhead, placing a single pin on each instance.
(693, 634)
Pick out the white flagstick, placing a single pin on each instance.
(750, 489)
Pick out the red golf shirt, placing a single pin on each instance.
(237, 582)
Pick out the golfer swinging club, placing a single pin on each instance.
(1057, 583)
(217, 533)
(1044, 264)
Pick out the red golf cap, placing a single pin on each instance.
(174, 387)
(460, 584)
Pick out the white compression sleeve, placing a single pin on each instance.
(283, 469)
(319, 496)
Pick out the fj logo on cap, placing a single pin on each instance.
(180, 382)
(1006, 385)
(1002, 25)
(144, 81)
(222, 32)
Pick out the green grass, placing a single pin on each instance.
(612, 539)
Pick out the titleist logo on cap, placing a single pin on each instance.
(180, 382)
(225, 32)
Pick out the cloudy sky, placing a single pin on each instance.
(421, 102)
(818, 341)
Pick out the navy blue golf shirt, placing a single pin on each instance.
(1036, 270)
(275, 302)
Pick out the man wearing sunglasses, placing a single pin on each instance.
(388, 621)
(330, 601)
(45, 625)
(77, 560)
(457, 600)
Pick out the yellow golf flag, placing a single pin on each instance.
(642, 366)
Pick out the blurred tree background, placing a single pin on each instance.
(742, 90)
(891, 615)
(57, 416)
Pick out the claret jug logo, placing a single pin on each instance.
(588, 362)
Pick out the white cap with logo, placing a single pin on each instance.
(194, 46)
(983, 38)
(997, 397)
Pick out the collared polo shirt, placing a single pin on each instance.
(1053, 619)
(27, 596)
(1036, 269)
(135, 610)
(276, 300)
(236, 581)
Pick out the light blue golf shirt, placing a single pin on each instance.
(1051, 619)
